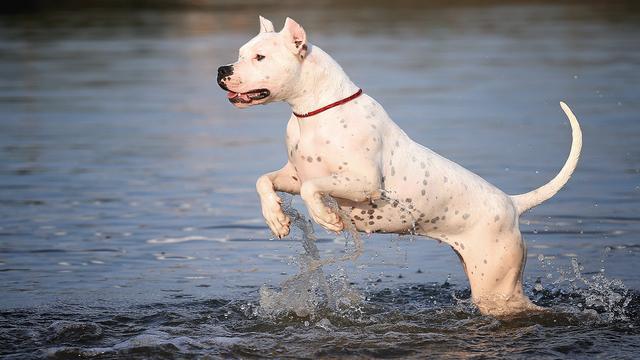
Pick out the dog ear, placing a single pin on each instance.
(295, 37)
(265, 25)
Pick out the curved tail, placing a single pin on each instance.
(524, 202)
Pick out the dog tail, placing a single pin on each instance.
(524, 202)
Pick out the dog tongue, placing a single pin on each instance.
(243, 96)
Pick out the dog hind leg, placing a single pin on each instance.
(494, 263)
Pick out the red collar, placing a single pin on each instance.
(324, 108)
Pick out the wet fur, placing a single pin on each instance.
(381, 177)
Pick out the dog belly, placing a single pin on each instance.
(378, 216)
(407, 216)
(426, 194)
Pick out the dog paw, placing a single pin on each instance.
(326, 218)
(276, 219)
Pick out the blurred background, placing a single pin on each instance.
(129, 223)
(117, 147)
(125, 172)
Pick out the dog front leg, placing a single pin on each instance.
(349, 186)
(285, 180)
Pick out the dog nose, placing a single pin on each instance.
(224, 71)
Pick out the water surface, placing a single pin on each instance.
(129, 225)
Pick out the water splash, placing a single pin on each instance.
(311, 290)
(604, 299)
(608, 298)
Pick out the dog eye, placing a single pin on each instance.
(259, 57)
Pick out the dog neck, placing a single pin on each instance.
(325, 83)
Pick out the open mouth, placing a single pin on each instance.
(249, 96)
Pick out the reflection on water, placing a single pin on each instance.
(129, 224)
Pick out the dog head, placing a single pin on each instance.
(267, 67)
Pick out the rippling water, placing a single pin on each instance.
(129, 225)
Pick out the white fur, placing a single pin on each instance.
(382, 178)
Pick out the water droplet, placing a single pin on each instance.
(538, 286)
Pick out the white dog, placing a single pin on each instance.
(342, 143)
